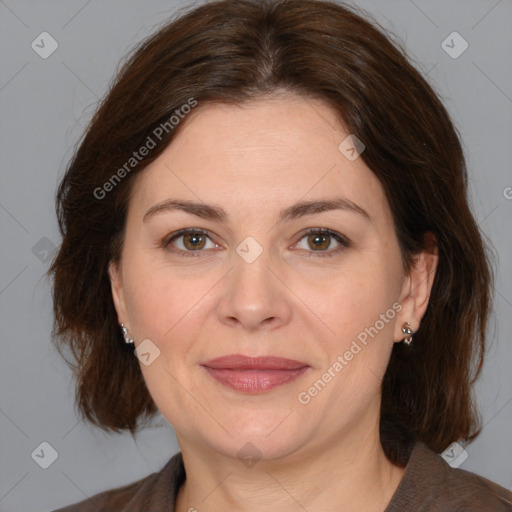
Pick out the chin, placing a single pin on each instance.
(259, 435)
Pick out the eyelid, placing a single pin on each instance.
(341, 239)
(166, 242)
(344, 242)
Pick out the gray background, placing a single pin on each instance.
(45, 105)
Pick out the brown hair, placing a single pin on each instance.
(233, 51)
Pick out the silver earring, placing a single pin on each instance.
(127, 338)
(406, 329)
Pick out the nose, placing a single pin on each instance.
(254, 296)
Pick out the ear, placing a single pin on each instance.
(116, 284)
(417, 287)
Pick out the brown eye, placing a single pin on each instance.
(194, 241)
(318, 242)
(188, 241)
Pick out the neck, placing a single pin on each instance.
(353, 474)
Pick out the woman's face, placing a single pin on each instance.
(254, 283)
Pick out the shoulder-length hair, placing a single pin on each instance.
(237, 50)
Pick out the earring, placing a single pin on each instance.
(127, 338)
(406, 329)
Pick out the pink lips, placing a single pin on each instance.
(254, 374)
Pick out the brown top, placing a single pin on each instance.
(429, 484)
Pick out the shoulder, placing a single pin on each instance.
(155, 492)
(476, 492)
(430, 484)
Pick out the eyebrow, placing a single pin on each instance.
(217, 213)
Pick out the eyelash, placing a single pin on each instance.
(345, 243)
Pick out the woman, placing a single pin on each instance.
(266, 237)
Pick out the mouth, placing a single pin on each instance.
(254, 375)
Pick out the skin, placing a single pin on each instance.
(255, 160)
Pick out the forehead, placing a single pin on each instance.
(264, 154)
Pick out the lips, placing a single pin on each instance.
(240, 362)
(254, 374)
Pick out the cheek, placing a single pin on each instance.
(360, 312)
(353, 298)
(357, 308)
(162, 304)
(148, 304)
